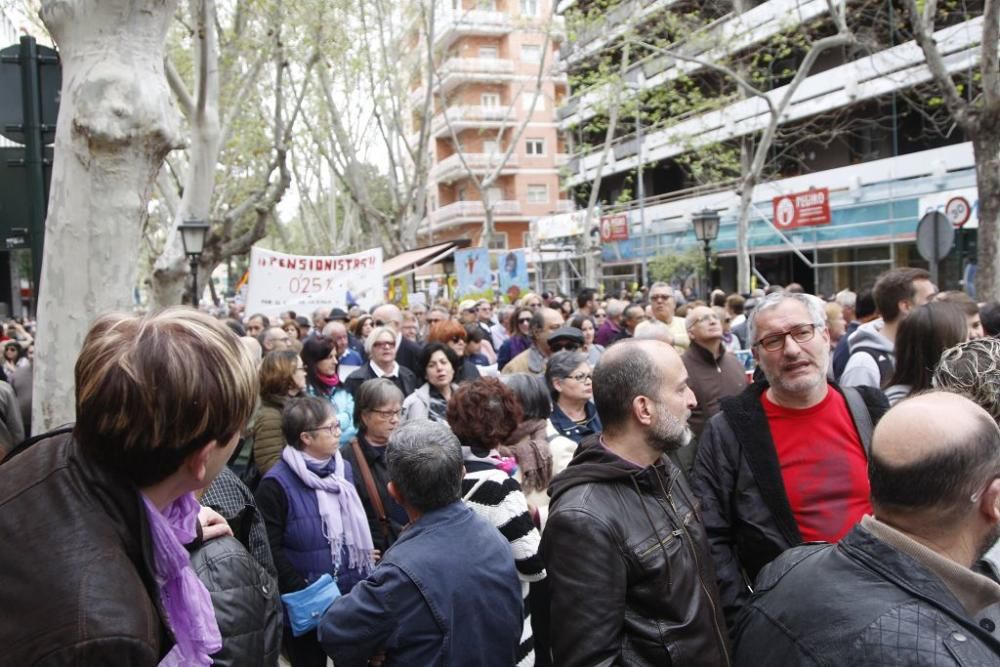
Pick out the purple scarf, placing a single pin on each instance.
(185, 600)
(340, 508)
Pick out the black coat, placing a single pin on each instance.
(408, 356)
(860, 602)
(246, 602)
(737, 478)
(629, 574)
(406, 380)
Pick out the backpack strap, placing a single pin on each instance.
(862, 417)
(882, 360)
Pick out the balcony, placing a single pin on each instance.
(451, 168)
(472, 117)
(456, 71)
(463, 211)
(477, 22)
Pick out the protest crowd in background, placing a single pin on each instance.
(642, 478)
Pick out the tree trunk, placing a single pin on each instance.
(986, 149)
(171, 271)
(116, 124)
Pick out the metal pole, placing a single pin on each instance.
(33, 156)
(708, 268)
(644, 278)
(194, 281)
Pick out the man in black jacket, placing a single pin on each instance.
(630, 577)
(784, 462)
(899, 588)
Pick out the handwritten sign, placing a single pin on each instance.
(280, 282)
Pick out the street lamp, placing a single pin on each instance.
(193, 235)
(706, 230)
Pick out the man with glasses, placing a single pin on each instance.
(899, 589)
(275, 338)
(786, 460)
(661, 298)
(544, 323)
(713, 373)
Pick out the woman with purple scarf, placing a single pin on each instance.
(315, 522)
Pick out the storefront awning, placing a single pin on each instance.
(411, 260)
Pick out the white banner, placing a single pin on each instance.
(280, 282)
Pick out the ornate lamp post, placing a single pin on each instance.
(193, 235)
(706, 230)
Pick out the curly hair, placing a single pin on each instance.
(483, 413)
(973, 369)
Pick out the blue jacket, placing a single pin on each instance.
(342, 402)
(303, 543)
(446, 593)
(572, 430)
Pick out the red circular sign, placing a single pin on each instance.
(957, 210)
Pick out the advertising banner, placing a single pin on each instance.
(802, 209)
(280, 282)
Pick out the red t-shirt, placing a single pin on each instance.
(823, 466)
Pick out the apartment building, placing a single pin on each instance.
(863, 129)
(486, 94)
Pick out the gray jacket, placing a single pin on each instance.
(862, 368)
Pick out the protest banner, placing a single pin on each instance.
(474, 278)
(280, 282)
(513, 274)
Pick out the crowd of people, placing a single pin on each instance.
(772, 478)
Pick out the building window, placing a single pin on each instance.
(526, 239)
(529, 7)
(531, 53)
(538, 194)
(535, 147)
(526, 99)
(489, 100)
(499, 241)
(488, 52)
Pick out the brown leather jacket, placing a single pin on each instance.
(630, 577)
(75, 564)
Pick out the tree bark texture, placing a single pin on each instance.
(116, 124)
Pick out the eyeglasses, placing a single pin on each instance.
(384, 344)
(802, 333)
(564, 347)
(329, 428)
(706, 317)
(379, 323)
(389, 414)
(457, 339)
(581, 377)
(524, 320)
(660, 297)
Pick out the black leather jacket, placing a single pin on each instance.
(860, 602)
(630, 577)
(737, 479)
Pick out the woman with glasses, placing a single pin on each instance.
(319, 356)
(282, 376)
(378, 408)
(430, 400)
(381, 347)
(314, 517)
(454, 335)
(588, 327)
(483, 414)
(569, 378)
(519, 328)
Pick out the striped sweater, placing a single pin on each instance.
(497, 497)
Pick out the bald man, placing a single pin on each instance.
(899, 589)
(631, 578)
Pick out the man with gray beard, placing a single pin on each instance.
(630, 576)
(785, 461)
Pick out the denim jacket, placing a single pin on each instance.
(446, 593)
